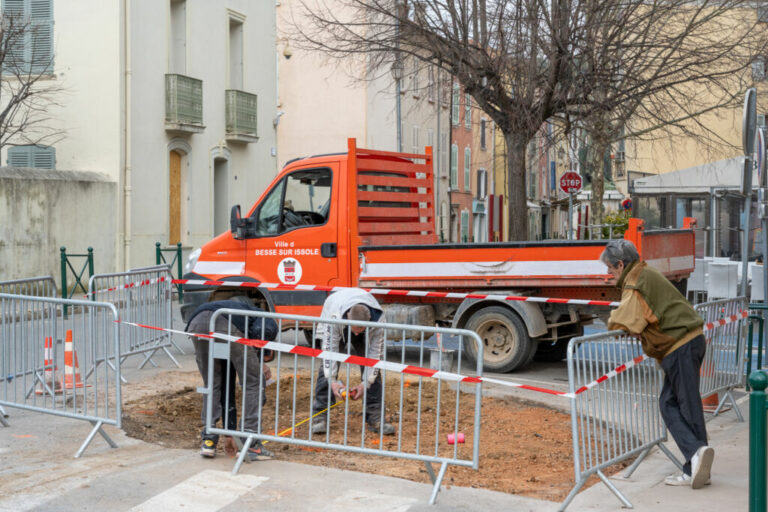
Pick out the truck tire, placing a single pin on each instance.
(506, 344)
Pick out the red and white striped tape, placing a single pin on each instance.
(130, 285)
(417, 370)
(400, 293)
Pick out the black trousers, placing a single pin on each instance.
(680, 401)
(373, 394)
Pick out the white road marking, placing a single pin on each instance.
(206, 491)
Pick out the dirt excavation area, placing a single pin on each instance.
(525, 449)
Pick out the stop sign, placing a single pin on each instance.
(570, 182)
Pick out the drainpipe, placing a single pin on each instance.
(125, 139)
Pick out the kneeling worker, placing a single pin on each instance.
(359, 305)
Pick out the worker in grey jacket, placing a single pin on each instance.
(358, 305)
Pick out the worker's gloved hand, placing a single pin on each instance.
(337, 387)
(356, 393)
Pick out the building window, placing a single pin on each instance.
(483, 144)
(236, 53)
(467, 111)
(415, 139)
(177, 58)
(431, 84)
(482, 184)
(415, 77)
(443, 154)
(758, 69)
(467, 172)
(455, 105)
(454, 167)
(40, 157)
(30, 42)
(431, 138)
(444, 86)
(464, 226)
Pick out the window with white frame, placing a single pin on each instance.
(415, 139)
(236, 53)
(454, 167)
(431, 138)
(177, 56)
(443, 154)
(431, 84)
(467, 167)
(455, 104)
(415, 77)
(29, 44)
(464, 226)
(467, 111)
(483, 143)
(482, 184)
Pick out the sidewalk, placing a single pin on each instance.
(37, 472)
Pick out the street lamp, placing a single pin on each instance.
(397, 74)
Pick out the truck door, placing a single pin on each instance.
(294, 240)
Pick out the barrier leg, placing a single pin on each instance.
(671, 456)
(614, 490)
(572, 494)
(148, 359)
(177, 347)
(438, 480)
(243, 453)
(97, 427)
(635, 464)
(165, 349)
(729, 396)
(430, 471)
(3, 415)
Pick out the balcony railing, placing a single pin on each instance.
(183, 103)
(241, 116)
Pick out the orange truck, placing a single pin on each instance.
(367, 219)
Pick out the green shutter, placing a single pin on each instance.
(467, 168)
(43, 157)
(41, 38)
(32, 52)
(20, 156)
(454, 166)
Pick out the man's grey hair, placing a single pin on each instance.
(619, 250)
(359, 312)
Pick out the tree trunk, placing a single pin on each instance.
(517, 218)
(596, 161)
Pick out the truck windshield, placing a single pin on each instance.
(303, 198)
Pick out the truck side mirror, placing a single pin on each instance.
(236, 223)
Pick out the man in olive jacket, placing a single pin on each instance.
(671, 332)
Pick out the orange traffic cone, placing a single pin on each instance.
(49, 371)
(71, 378)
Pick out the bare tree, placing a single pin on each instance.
(528, 61)
(27, 94)
(657, 69)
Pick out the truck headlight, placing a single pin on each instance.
(192, 260)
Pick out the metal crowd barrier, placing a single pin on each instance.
(148, 303)
(43, 286)
(421, 431)
(42, 350)
(723, 366)
(618, 418)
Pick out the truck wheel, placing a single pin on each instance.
(506, 344)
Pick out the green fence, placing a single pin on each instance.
(160, 253)
(757, 442)
(66, 265)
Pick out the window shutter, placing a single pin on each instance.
(15, 61)
(467, 166)
(467, 111)
(43, 157)
(41, 16)
(455, 104)
(20, 156)
(454, 166)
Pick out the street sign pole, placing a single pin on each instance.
(570, 215)
(749, 127)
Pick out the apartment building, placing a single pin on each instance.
(172, 101)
